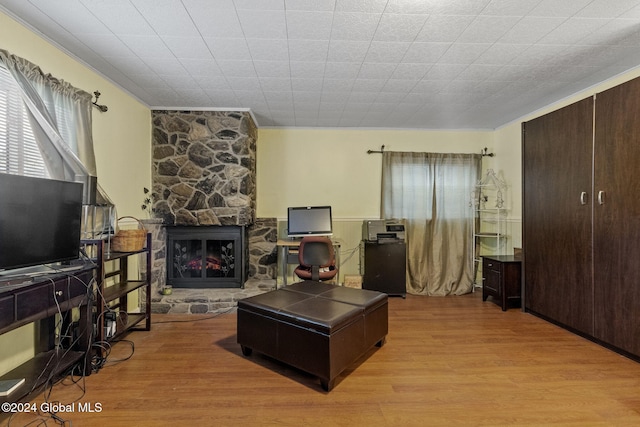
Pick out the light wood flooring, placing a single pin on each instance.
(453, 361)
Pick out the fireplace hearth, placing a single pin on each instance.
(207, 256)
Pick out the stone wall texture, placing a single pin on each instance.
(204, 167)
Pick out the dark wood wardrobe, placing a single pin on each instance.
(581, 217)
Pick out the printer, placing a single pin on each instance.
(379, 230)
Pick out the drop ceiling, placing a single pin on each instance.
(402, 64)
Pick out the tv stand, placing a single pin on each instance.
(39, 300)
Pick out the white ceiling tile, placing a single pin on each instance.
(362, 98)
(273, 69)
(306, 84)
(201, 67)
(165, 65)
(458, 7)
(129, 65)
(234, 68)
(272, 84)
(354, 26)
(305, 25)
(146, 46)
(306, 69)
(371, 70)
(530, 29)
(463, 53)
(347, 51)
(281, 97)
(107, 45)
(259, 4)
(188, 47)
(367, 85)
(322, 5)
(509, 8)
(268, 49)
(79, 22)
(425, 52)
(487, 29)
(342, 70)
(500, 54)
(556, 8)
(364, 6)
(228, 48)
(244, 83)
(444, 71)
(337, 85)
(399, 28)
(214, 22)
(308, 50)
(444, 28)
(263, 24)
(410, 71)
(399, 85)
(167, 17)
(381, 51)
(573, 30)
(213, 84)
(120, 16)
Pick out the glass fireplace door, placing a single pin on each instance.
(205, 258)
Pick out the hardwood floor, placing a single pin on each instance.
(447, 361)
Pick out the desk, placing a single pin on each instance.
(288, 254)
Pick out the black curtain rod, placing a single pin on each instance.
(484, 152)
(377, 152)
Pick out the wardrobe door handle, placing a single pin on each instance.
(601, 197)
(583, 198)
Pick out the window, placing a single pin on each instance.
(19, 152)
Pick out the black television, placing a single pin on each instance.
(309, 221)
(40, 221)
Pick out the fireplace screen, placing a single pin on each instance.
(205, 257)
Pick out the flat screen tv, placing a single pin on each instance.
(309, 221)
(39, 221)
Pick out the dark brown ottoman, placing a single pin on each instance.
(314, 326)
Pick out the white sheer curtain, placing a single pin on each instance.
(60, 117)
(432, 192)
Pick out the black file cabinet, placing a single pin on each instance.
(383, 267)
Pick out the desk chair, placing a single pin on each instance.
(317, 259)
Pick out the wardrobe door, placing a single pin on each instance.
(557, 202)
(617, 217)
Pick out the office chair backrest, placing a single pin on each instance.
(316, 252)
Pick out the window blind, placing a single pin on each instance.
(19, 152)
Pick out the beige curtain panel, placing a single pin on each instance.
(432, 193)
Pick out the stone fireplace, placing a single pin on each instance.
(204, 179)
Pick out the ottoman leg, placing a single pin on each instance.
(381, 342)
(246, 350)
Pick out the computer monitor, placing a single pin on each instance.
(309, 221)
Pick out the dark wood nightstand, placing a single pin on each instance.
(501, 278)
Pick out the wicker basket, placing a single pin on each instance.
(129, 240)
